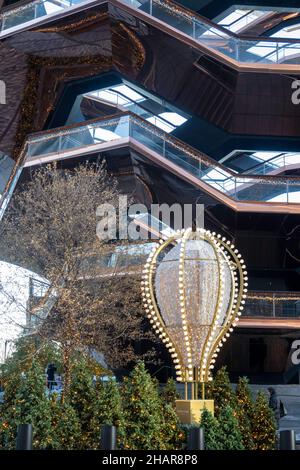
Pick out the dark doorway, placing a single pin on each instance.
(257, 355)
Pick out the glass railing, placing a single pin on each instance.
(272, 305)
(52, 145)
(208, 34)
(6, 169)
(276, 164)
(258, 304)
(34, 11)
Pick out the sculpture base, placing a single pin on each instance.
(189, 411)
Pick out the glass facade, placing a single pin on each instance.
(264, 51)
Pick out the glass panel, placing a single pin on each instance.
(95, 133)
(245, 51)
(242, 188)
(183, 159)
(168, 14)
(74, 140)
(33, 11)
(145, 136)
(240, 18)
(260, 190)
(6, 167)
(19, 17)
(268, 51)
(5, 200)
(43, 147)
(280, 305)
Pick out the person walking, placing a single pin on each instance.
(50, 375)
(274, 404)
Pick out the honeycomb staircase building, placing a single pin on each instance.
(187, 102)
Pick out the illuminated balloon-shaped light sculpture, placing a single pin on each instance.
(194, 287)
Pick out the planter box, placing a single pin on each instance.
(189, 411)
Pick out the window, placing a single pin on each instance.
(261, 161)
(125, 98)
(239, 19)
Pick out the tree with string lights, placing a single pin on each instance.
(110, 406)
(149, 422)
(142, 411)
(220, 390)
(244, 411)
(230, 433)
(211, 428)
(263, 424)
(83, 399)
(169, 393)
(25, 401)
(50, 226)
(65, 424)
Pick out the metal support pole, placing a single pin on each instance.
(237, 45)
(287, 440)
(196, 439)
(24, 437)
(185, 390)
(108, 437)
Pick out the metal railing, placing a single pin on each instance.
(210, 35)
(272, 305)
(244, 188)
(131, 259)
(275, 164)
(55, 144)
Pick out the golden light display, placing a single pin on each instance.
(194, 288)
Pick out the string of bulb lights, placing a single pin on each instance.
(225, 313)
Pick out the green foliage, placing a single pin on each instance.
(211, 429)
(110, 403)
(169, 393)
(243, 394)
(83, 398)
(145, 416)
(230, 434)
(142, 413)
(263, 424)
(221, 392)
(222, 433)
(110, 410)
(28, 349)
(149, 423)
(256, 426)
(172, 433)
(244, 411)
(66, 429)
(27, 404)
